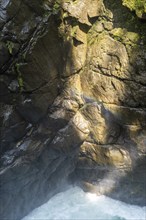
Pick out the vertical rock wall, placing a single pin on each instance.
(73, 104)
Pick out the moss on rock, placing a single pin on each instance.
(139, 6)
(125, 36)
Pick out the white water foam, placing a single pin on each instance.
(74, 204)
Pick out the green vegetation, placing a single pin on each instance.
(10, 46)
(124, 36)
(139, 6)
(19, 77)
(129, 39)
(56, 7)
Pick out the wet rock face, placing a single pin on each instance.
(73, 104)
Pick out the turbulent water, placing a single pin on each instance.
(76, 204)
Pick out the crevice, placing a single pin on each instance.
(27, 46)
(12, 18)
(126, 107)
(116, 77)
(70, 76)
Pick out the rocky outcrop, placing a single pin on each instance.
(73, 105)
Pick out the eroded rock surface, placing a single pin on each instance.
(73, 104)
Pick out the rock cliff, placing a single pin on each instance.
(72, 101)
